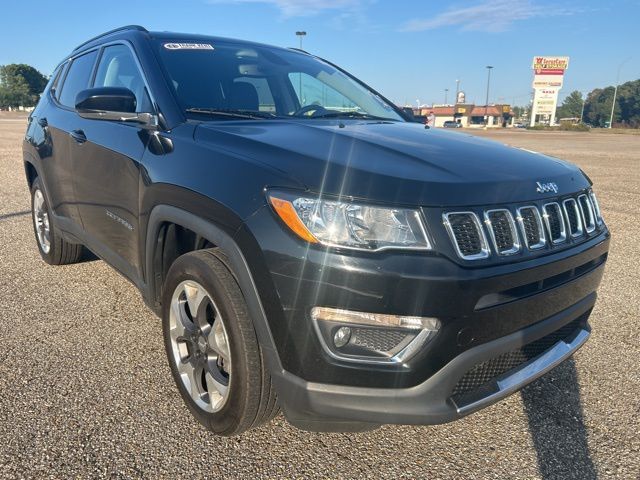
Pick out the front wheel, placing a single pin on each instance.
(211, 344)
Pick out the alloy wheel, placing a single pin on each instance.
(41, 221)
(200, 346)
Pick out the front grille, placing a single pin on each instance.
(555, 224)
(467, 235)
(502, 231)
(479, 381)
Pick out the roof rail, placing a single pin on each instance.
(299, 50)
(115, 30)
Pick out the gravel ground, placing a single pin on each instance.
(85, 390)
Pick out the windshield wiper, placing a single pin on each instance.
(366, 116)
(246, 114)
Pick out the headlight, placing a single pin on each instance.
(351, 225)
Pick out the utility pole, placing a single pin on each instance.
(615, 92)
(486, 103)
(584, 100)
(457, 89)
(446, 91)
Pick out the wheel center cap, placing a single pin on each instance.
(202, 344)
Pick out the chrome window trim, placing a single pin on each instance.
(576, 209)
(563, 227)
(542, 238)
(515, 248)
(588, 226)
(484, 246)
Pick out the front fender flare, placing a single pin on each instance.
(220, 238)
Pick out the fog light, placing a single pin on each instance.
(342, 336)
(372, 337)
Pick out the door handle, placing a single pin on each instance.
(78, 136)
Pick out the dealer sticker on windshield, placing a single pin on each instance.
(188, 46)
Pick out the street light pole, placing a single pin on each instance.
(615, 92)
(584, 100)
(300, 34)
(486, 103)
(446, 91)
(457, 89)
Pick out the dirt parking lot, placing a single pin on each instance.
(85, 389)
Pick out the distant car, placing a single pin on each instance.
(519, 125)
(451, 124)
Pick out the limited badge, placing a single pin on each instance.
(188, 46)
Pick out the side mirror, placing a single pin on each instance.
(111, 103)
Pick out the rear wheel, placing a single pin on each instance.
(54, 249)
(213, 352)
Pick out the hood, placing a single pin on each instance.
(401, 163)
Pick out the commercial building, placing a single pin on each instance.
(469, 115)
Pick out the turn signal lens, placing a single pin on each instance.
(288, 215)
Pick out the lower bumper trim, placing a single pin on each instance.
(515, 380)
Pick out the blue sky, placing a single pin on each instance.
(407, 49)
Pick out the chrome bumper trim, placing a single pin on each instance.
(528, 372)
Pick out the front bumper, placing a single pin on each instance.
(323, 407)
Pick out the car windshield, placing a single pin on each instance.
(245, 81)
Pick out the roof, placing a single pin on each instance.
(200, 38)
(187, 37)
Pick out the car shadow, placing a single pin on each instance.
(556, 423)
(87, 255)
(7, 216)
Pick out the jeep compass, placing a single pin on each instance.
(309, 249)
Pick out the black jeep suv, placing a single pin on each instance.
(307, 247)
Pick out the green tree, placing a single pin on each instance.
(571, 106)
(597, 109)
(627, 110)
(20, 85)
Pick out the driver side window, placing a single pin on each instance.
(117, 68)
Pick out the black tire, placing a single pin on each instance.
(251, 398)
(60, 251)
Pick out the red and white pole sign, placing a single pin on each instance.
(548, 74)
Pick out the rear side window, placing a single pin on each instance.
(77, 78)
(118, 68)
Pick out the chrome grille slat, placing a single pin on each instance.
(532, 228)
(467, 235)
(588, 216)
(596, 208)
(554, 220)
(574, 218)
(502, 230)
